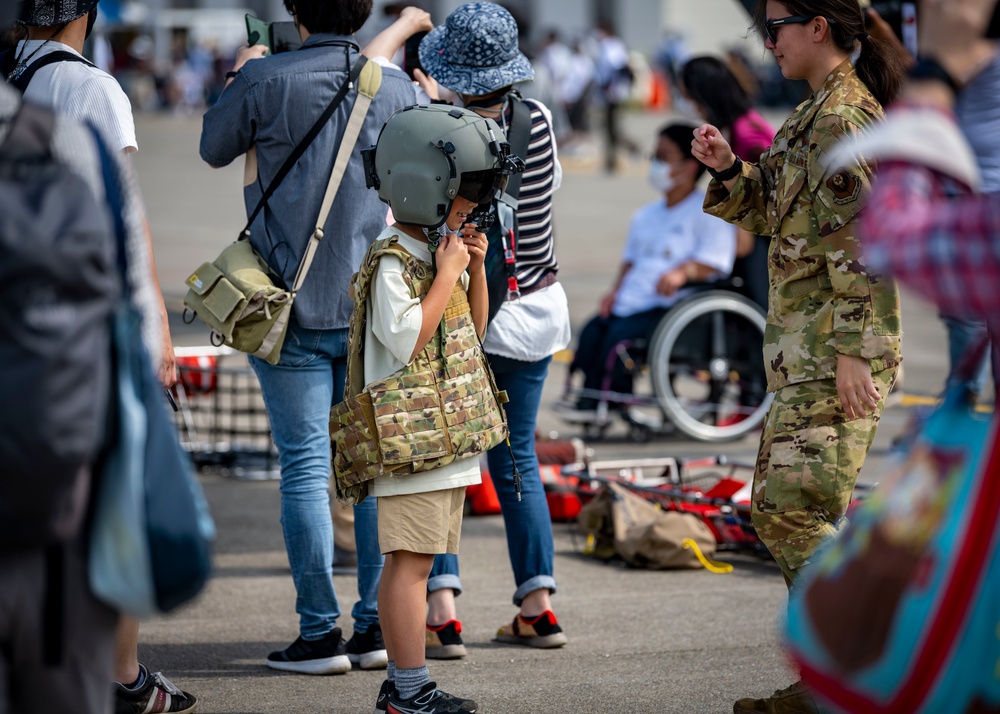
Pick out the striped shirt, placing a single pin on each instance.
(536, 255)
(537, 325)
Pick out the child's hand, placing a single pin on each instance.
(452, 257)
(475, 241)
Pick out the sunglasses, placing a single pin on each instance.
(771, 26)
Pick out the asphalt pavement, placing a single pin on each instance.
(639, 641)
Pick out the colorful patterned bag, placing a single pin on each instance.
(901, 612)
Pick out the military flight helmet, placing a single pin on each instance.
(427, 155)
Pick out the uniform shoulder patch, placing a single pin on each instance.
(845, 186)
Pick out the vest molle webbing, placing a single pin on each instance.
(441, 407)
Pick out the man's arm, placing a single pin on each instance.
(228, 127)
(386, 43)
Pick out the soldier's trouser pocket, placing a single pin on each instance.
(807, 467)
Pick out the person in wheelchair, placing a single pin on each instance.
(671, 243)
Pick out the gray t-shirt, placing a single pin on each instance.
(978, 112)
(270, 105)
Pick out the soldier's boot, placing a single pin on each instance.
(791, 700)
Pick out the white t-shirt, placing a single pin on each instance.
(83, 92)
(390, 335)
(664, 237)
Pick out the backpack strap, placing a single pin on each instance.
(21, 81)
(518, 136)
(369, 81)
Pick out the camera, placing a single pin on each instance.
(901, 15)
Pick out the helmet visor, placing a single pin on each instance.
(480, 186)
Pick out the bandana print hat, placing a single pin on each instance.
(475, 51)
(43, 13)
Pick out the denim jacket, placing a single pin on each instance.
(268, 107)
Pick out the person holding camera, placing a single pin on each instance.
(265, 111)
(931, 231)
(475, 54)
(832, 341)
(975, 105)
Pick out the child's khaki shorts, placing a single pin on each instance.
(428, 522)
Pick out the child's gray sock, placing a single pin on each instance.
(390, 671)
(410, 681)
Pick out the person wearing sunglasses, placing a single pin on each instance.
(832, 341)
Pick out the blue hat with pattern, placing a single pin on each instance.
(475, 51)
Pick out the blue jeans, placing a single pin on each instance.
(298, 393)
(528, 523)
(963, 336)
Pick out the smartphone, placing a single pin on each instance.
(277, 36)
(258, 31)
(411, 54)
(902, 18)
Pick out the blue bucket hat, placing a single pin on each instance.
(475, 51)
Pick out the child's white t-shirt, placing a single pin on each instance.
(390, 335)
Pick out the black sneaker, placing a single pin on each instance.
(382, 702)
(156, 695)
(367, 649)
(323, 656)
(444, 641)
(430, 700)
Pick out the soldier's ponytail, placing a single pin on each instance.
(880, 68)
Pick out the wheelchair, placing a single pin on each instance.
(701, 373)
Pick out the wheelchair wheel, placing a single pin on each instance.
(707, 366)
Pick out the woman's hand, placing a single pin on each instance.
(476, 243)
(855, 387)
(711, 148)
(426, 83)
(452, 257)
(607, 302)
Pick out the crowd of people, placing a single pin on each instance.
(403, 295)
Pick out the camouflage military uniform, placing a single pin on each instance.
(822, 302)
(441, 407)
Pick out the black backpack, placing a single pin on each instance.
(59, 284)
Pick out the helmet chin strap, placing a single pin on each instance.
(435, 236)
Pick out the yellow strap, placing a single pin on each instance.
(370, 79)
(710, 566)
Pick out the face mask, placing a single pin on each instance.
(659, 176)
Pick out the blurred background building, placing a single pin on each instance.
(173, 54)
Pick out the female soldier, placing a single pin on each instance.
(832, 340)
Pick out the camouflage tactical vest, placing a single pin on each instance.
(441, 407)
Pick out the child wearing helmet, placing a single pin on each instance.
(420, 313)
